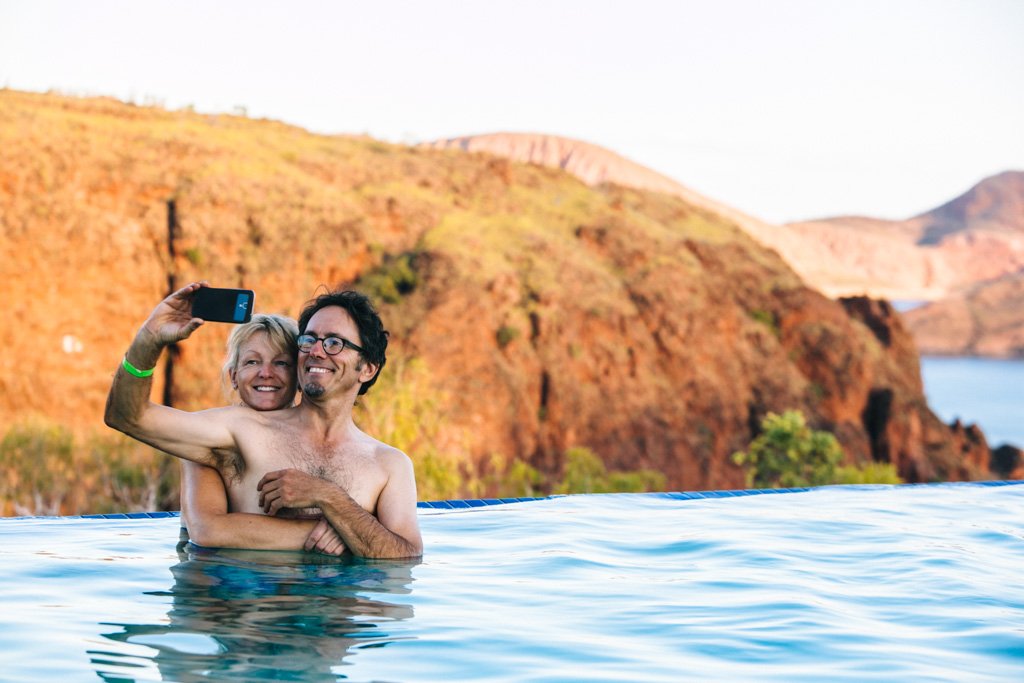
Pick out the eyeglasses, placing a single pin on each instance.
(332, 345)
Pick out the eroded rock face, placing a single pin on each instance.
(1008, 462)
(673, 366)
(546, 313)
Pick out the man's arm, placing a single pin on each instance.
(129, 410)
(204, 507)
(393, 534)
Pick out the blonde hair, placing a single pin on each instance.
(281, 332)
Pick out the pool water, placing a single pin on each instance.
(837, 583)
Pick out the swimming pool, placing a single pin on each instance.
(837, 583)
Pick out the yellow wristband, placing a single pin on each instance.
(132, 370)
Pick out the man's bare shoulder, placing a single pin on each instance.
(387, 455)
(397, 464)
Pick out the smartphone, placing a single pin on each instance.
(223, 305)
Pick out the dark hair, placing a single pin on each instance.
(372, 335)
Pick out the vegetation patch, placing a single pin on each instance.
(768, 319)
(506, 335)
(789, 454)
(586, 473)
(49, 471)
(395, 278)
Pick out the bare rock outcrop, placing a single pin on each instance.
(1008, 462)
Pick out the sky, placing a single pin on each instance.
(787, 110)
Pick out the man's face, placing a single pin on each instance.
(320, 372)
(264, 375)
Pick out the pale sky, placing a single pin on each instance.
(785, 109)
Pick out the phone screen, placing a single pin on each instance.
(223, 305)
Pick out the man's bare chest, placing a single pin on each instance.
(346, 465)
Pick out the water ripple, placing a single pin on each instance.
(838, 584)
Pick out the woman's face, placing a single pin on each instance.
(264, 374)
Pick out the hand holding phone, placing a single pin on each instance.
(213, 304)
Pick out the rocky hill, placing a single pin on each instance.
(530, 312)
(976, 237)
(595, 165)
(968, 255)
(994, 206)
(987, 320)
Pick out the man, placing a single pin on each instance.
(306, 456)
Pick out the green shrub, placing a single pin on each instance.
(636, 481)
(510, 479)
(194, 256)
(38, 464)
(393, 279)
(437, 477)
(47, 471)
(871, 473)
(766, 318)
(126, 475)
(522, 481)
(405, 410)
(586, 473)
(789, 454)
(506, 335)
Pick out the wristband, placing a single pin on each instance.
(132, 370)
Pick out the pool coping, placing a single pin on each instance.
(466, 503)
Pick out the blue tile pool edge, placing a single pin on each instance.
(465, 504)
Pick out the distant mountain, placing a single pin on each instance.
(995, 205)
(987, 320)
(976, 237)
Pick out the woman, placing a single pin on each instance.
(261, 367)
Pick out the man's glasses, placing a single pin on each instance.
(332, 345)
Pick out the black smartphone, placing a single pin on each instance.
(223, 305)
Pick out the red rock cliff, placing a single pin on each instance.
(542, 313)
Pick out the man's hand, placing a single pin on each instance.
(289, 489)
(171, 321)
(324, 539)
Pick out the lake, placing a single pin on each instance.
(985, 391)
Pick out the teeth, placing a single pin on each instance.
(266, 388)
(318, 371)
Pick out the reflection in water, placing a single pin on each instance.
(252, 615)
